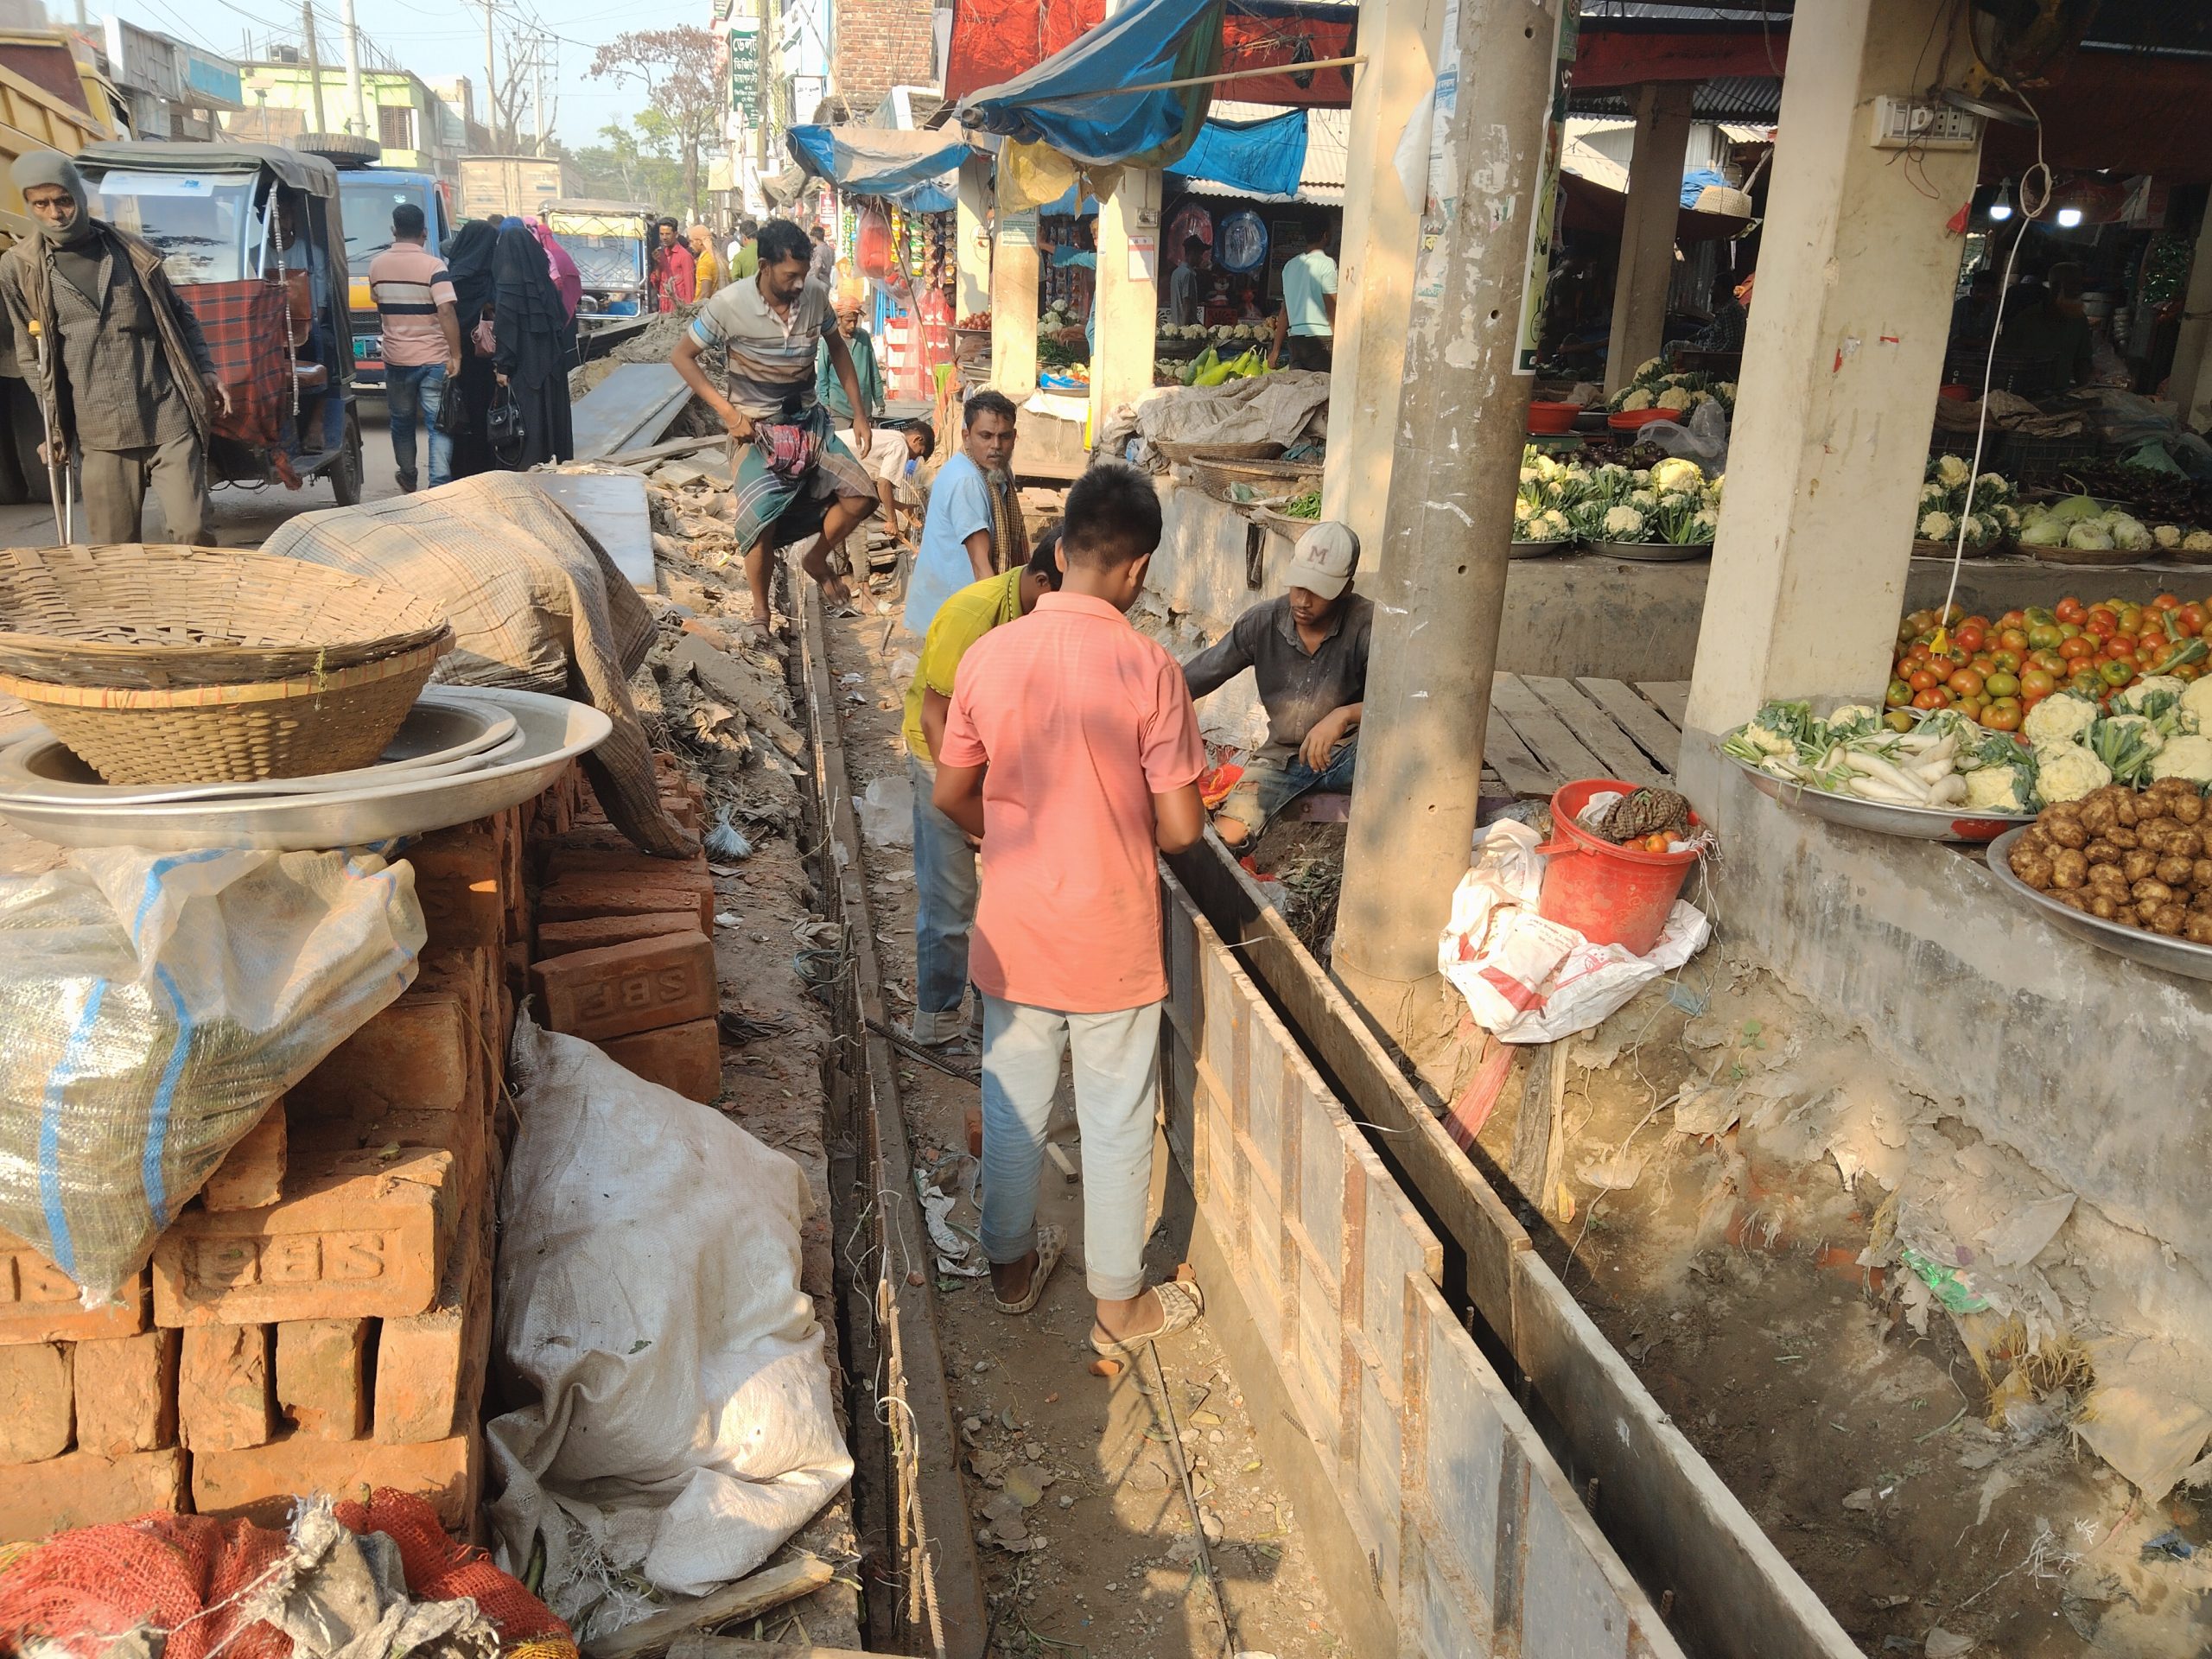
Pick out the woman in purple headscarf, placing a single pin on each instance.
(567, 279)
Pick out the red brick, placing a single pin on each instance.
(420, 1053)
(598, 855)
(258, 1485)
(620, 988)
(430, 1367)
(687, 1057)
(251, 1174)
(86, 1490)
(558, 938)
(578, 897)
(364, 1235)
(37, 1401)
(322, 1377)
(466, 1134)
(223, 1395)
(126, 1393)
(41, 1303)
(460, 878)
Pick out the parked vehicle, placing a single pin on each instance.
(251, 236)
(610, 243)
(494, 186)
(366, 195)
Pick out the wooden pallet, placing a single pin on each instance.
(1544, 731)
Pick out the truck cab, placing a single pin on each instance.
(367, 195)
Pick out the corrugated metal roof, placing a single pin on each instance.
(1752, 99)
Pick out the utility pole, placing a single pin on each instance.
(358, 121)
(537, 112)
(1442, 591)
(490, 81)
(314, 64)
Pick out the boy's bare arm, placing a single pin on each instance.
(959, 795)
(1179, 817)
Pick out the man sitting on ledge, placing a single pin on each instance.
(1308, 651)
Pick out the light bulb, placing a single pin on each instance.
(2068, 217)
(2000, 210)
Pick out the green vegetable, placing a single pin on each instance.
(1308, 505)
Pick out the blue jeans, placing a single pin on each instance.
(1267, 786)
(944, 899)
(417, 390)
(1116, 1098)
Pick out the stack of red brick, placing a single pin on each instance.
(625, 954)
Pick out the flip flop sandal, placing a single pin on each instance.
(1051, 1244)
(1181, 1303)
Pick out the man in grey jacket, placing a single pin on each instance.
(116, 356)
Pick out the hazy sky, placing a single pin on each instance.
(434, 40)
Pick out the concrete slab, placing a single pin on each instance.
(611, 506)
(633, 406)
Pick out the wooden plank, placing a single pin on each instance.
(1659, 737)
(772, 1586)
(1506, 754)
(1565, 755)
(1596, 729)
(1669, 697)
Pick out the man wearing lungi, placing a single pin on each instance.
(769, 329)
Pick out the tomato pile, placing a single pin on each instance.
(1996, 671)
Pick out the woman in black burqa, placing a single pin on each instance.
(536, 344)
(468, 263)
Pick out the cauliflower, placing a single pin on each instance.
(1637, 399)
(2195, 709)
(1674, 398)
(1707, 519)
(1851, 719)
(2187, 757)
(1623, 524)
(2067, 774)
(2089, 538)
(1676, 473)
(2150, 695)
(1951, 471)
(2058, 720)
(1649, 366)
(1555, 521)
(1997, 789)
(1993, 487)
(2166, 535)
(1642, 499)
(1712, 490)
(2198, 541)
(1937, 527)
(2006, 514)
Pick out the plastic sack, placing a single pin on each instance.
(1703, 439)
(152, 1006)
(1528, 980)
(648, 1301)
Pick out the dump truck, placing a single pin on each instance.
(499, 186)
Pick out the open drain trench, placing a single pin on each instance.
(1480, 1470)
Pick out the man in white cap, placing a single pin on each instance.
(1307, 650)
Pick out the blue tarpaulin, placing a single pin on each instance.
(1265, 157)
(1074, 102)
(879, 161)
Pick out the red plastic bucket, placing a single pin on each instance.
(1609, 894)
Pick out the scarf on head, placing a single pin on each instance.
(51, 167)
(568, 281)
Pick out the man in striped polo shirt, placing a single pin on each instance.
(422, 342)
(768, 330)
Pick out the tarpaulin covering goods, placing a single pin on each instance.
(876, 161)
(1254, 158)
(995, 41)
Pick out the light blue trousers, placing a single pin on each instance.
(1116, 1098)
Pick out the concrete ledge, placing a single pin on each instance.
(1980, 1003)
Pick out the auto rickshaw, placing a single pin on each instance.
(251, 238)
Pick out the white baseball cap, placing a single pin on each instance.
(1323, 560)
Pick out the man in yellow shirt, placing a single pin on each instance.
(944, 859)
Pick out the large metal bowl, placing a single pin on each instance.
(2139, 944)
(1654, 552)
(1913, 823)
(553, 732)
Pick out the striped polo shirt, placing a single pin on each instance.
(409, 282)
(770, 358)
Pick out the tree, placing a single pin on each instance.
(676, 69)
(633, 164)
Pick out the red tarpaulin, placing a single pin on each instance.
(1250, 36)
(994, 41)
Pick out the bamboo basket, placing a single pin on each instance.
(1180, 452)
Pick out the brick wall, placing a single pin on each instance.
(882, 44)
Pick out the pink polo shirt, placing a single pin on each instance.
(1083, 720)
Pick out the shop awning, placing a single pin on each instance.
(1265, 157)
(1079, 100)
(878, 160)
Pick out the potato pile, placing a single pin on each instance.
(2144, 859)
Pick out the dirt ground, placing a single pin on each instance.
(1108, 1561)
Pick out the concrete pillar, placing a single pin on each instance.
(2190, 384)
(1375, 265)
(1014, 303)
(1841, 364)
(1654, 197)
(971, 225)
(1128, 297)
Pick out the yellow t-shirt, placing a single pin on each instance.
(959, 622)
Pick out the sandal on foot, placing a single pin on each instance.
(1181, 1303)
(1051, 1244)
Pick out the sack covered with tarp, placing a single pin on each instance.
(151, 1007)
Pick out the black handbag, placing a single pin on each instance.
(503, 425)
(453, 411)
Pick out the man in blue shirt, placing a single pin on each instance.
(970, 530)
(1308, 316)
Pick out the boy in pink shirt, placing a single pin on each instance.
(1072, 750)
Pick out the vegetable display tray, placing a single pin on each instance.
(2139, 944)
(1913, 823)
(1654, 552)
(1545, 549)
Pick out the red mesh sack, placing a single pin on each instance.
(179, 1574)
(440, 1568)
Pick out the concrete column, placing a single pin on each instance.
(2190, 384)
(1375, 265)
(1127, 296)
(971, 225)
(1014, 303)
(1654, 197)
(1841, 364)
